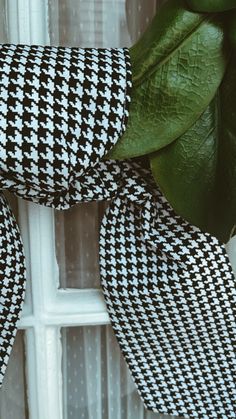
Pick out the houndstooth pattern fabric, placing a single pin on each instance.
(171, 296)
(61, 111)
(12, 281)
(169, 288)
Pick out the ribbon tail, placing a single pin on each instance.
(171, 296)
(12, 282)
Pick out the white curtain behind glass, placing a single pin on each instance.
(97, 384)
(13, 392)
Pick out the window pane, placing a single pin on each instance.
(77, 231)
(13, 392)
(99, 23)
(90, 23)
(96, 381)
(3, 23)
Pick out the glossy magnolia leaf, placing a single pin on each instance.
(232, 30)
(167, 31)
(186, 169)
(177, 68)
(211, 5)
(224, 220)
(197, 173)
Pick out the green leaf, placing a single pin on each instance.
(197, 173)
(232, 30)
(186, 169)
(177, 67)
(211, 5)
(167, 31)
(223, 220)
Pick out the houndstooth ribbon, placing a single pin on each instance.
(169, 288)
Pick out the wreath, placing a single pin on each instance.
(169, 173)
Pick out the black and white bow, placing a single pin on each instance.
(169, 288)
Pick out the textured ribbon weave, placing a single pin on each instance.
(169, 288)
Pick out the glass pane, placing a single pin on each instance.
(90, 23)
(96, 381)
(77, 231)
(13, 403)
(3, 22)
(99, 23)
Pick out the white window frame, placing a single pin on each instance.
(47, 308)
